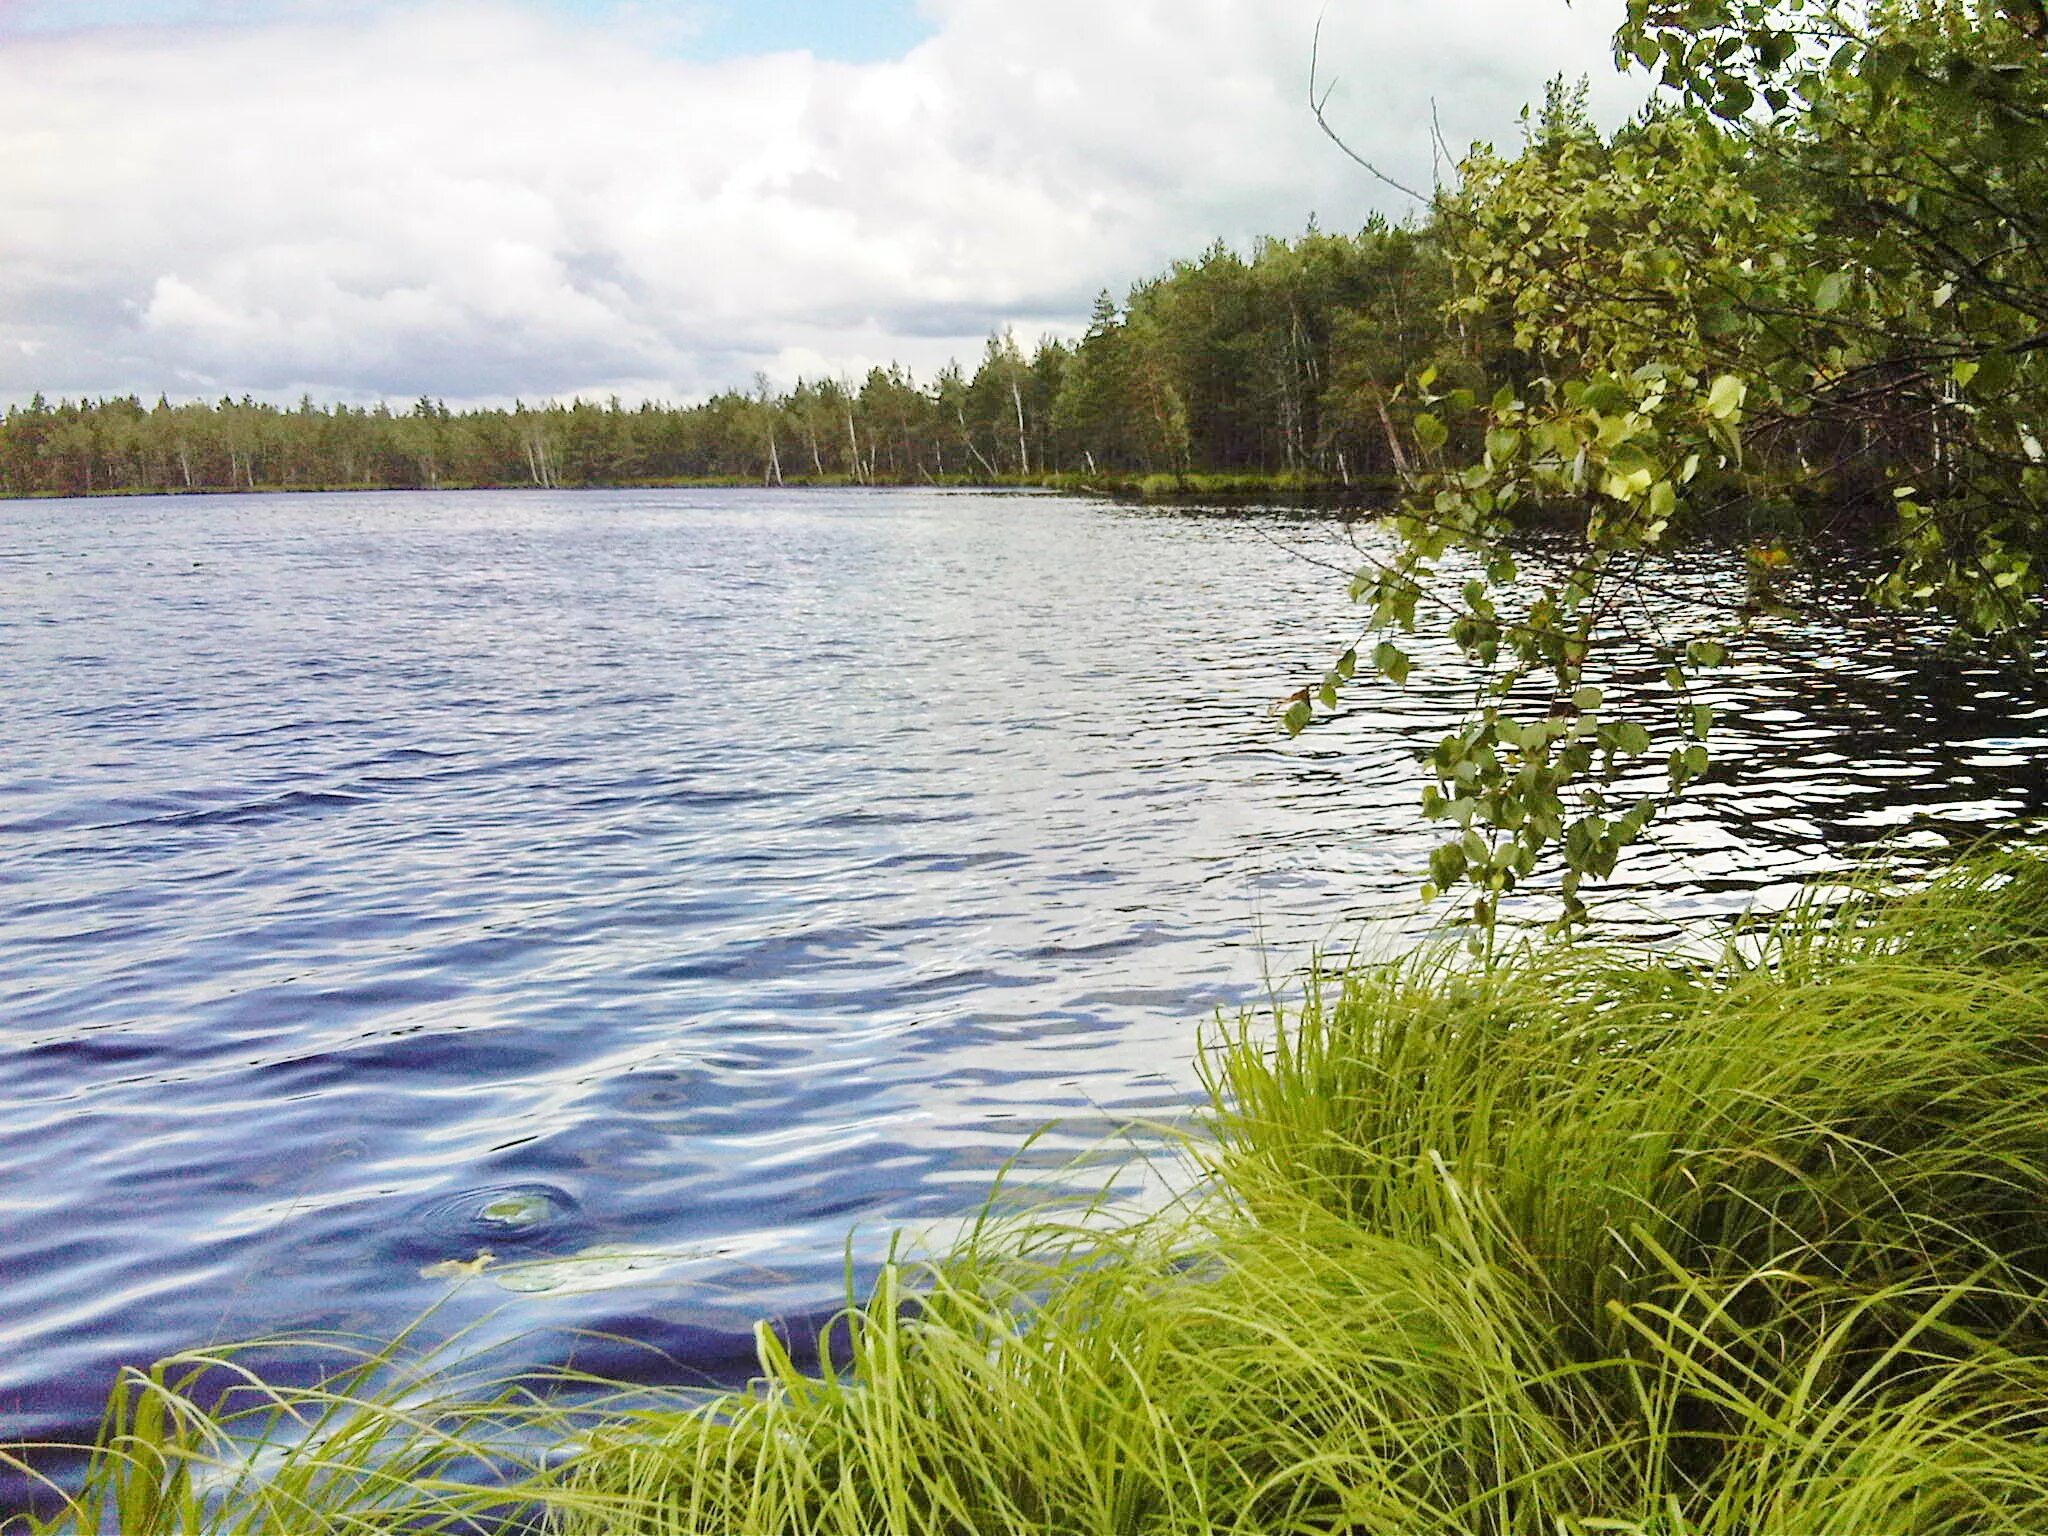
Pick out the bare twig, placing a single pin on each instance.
(1318, 100)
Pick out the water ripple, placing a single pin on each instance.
(644, 890)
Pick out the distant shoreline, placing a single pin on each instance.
(1134, 486)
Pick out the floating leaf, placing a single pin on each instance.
(460, 1269)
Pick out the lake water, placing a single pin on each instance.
(670, 883)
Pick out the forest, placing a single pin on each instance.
(1279, 363)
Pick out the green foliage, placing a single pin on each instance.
(1815, 277)
(1583, 1243)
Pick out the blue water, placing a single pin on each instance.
(671, 883)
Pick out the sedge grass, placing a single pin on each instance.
(1586, 1243)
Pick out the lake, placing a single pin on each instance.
(651, 888)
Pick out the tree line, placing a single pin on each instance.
(1284, 361)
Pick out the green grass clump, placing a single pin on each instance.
(1592, 1243)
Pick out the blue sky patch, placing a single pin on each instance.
(854, 31)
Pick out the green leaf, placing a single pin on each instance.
(1430, 432)
(1706, 653)
(1298, 715)
(1829, 292)
(1390, 659)
(1605, 398)
(1631, 459)
(1735, 100)
(1726, 397)
(1626, 485)
(1720, 320)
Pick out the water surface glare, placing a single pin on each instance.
(654, 887)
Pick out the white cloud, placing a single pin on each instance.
(468, 198)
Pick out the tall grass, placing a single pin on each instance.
(1591, 1243)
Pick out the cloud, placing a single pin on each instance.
(475, 198)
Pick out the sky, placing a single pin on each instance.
(486, 199)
